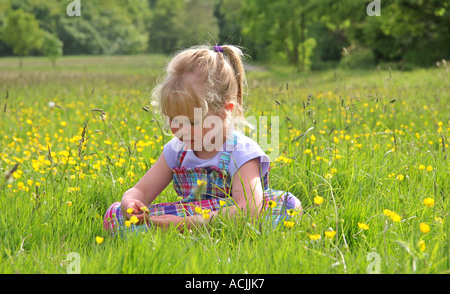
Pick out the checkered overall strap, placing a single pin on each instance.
(226, 154)
(181, 156)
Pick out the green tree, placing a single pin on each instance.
(420, 29)
(115, 27)
(104, 27)
(204, 28)
(22, 33)
(176, 24)
(280, 28)
(227, 13)
(166, 27)
(52, 47)
(407, 32)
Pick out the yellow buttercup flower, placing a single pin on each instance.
(400, 177)
(428, 202)
(222, 203)
(422, 245)
(127, 223)
(69, 203)
(288, 224)
(99, 240)
(272, 204)
(424, 228)
(421, 167)
(395, 217)
(314, 237)
(134, 220)
(330, 234)
(291, 212)
(429, 168)
(318, 200)
(198, 209)
(363, 226)
(130, 210)
(201, 183)
(387, 212)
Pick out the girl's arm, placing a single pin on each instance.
(247, 193)
(246, 188)
(147, 188)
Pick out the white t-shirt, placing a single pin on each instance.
(244, 150)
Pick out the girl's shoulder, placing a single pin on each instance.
(246, 149)
(171, 151)
(243, 143)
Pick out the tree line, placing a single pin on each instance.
(309, 34)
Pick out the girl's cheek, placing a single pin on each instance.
(206, 131)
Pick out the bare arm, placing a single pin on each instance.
(148, 187)
(246, 189)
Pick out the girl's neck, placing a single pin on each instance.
(205, 154)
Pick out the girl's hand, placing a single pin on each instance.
(147, 189)
(167, 220)
(133, 206)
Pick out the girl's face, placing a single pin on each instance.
(199, 133)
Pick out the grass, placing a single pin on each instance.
(363, 141)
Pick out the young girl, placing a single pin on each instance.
(213, 167)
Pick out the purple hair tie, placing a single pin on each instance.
(218, 49)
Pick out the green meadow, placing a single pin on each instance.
(365, 151)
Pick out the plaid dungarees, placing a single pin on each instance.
(212, 196)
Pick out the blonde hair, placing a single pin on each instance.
(202, 77)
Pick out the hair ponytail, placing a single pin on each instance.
(234, 56)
